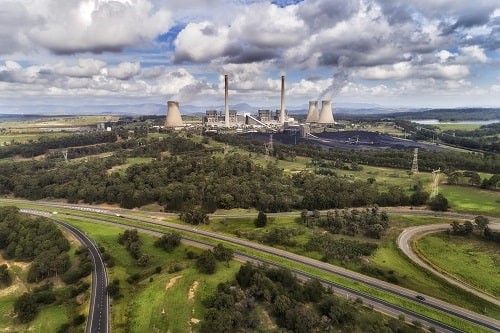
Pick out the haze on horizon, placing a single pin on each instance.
(423, 53)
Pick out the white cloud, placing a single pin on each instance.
(201, 42)
(474, 53)
(63, 26)
(125, 70)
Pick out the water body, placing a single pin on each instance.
(464, 122)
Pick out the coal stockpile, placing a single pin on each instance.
(345, 140)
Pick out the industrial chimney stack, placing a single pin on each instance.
(226, 101)
(326, 115)
(312, 113)
(282, 109)
(173, 118)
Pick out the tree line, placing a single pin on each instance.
(393, 158)
(43, 144)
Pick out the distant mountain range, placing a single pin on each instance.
(159, 109)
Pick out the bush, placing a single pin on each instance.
(78, 320)
(26, 308)
(439, 203)
(261, 220)
(206, 262)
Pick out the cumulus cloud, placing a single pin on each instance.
(201, 42)
(393, 45)
(66, 27)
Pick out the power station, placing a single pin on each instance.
(272, 120)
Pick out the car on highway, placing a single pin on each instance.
(420, 297)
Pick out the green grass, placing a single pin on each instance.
(471, 260)
(49, 318)
(470, 302)
(172, 309)
(140, 308)
(387, 258)
(458, 127)
(472, 200)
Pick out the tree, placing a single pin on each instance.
(439, 203)
(206, 262)
(5, 278)
(475, 179)
(169, 241)
(26, 308)
(261, 220)
(194, 216)
(114, 289)
(222, 253)
(481, 223)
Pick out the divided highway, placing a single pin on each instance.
(98, 319)
(473, 317)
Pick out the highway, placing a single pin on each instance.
(98, 318)
(473, 317)
(405, 240)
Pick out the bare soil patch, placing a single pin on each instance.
(192, 290)
(172, 281)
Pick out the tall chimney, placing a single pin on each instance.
(282, 109)
(312, 113)
(326, 115)
(226, 101)
(173, 118)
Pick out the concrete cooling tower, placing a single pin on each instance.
(173, 115)
(326, 115)
(312, 113)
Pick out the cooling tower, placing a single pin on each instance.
(173, 115)
(312, 113)
(282, 109)
(226, 101)
(326, 115)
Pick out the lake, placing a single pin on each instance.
(464, 122)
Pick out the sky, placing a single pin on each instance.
(419, 53)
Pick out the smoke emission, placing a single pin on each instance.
(340, 79)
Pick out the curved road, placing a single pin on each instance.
(405, 240)
(381, 285)
(98, 319)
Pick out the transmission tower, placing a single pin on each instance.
(269, 146)
(435, 182)
(65, 154)
(414, 165)
(226, 149)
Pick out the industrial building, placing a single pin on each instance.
(264, 118)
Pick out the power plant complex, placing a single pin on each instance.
(264, 118)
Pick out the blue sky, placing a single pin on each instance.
(419, 53)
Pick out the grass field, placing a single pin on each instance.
(410, 304)
(469, 259)
(148, 306)
(458, 127)
(130, 161)
(172, 309)
(386, 263)
(57, 121)
(472, 200)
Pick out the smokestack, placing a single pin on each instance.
(326, 115)
(312, 113)
(226, 101)
(173, 118)
(282, 109)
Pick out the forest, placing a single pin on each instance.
(292, 306)
(185, 174)
(42, 244)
